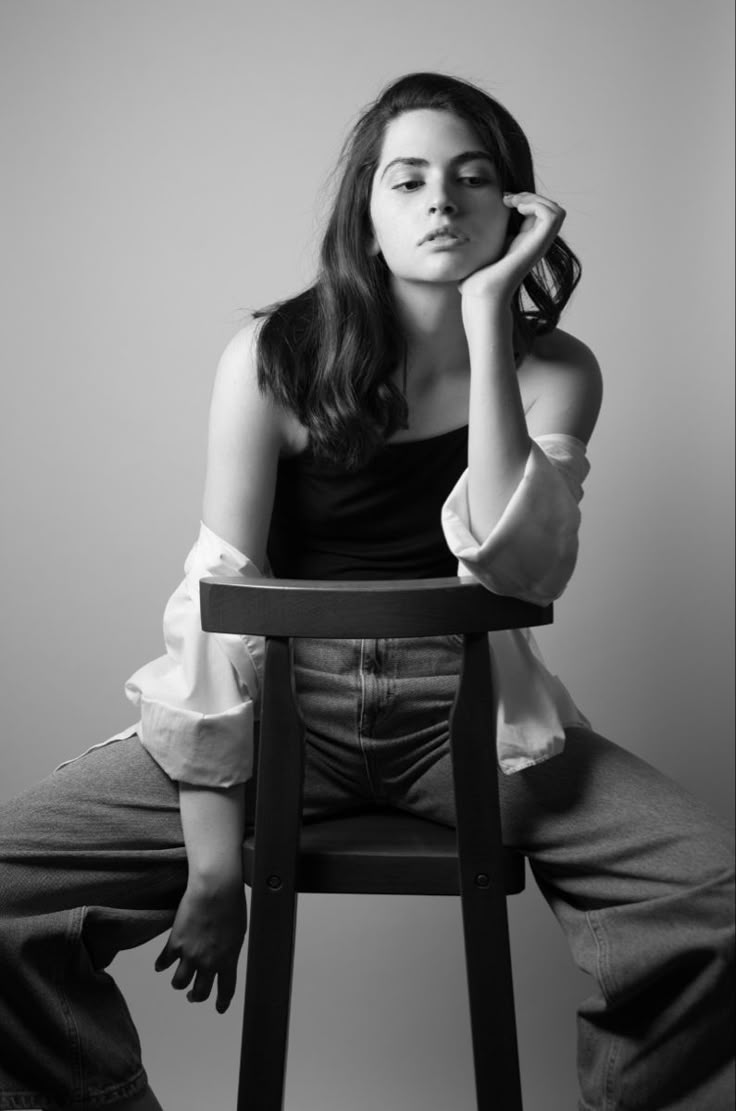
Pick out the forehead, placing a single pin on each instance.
(427, 133)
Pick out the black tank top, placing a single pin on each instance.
(380, 521)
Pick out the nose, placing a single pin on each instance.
(442, 206)
(441, 203)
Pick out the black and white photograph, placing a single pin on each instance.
(368, 562)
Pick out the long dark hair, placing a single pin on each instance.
(328, 354)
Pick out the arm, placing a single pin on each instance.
(245, 438)
(512, 519)
(498, 439)
(211, 919)
(499, 433)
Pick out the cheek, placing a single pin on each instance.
(380, 230)
(499, 232)
(389, 236)
(512, 224)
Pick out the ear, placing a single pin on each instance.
(373, 248)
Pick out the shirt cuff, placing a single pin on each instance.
(209, 750)
(532, 550)
(197, 702)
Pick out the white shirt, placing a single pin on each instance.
(198, 701)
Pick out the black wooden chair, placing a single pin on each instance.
(382, 851)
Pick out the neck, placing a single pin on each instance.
(432, 322)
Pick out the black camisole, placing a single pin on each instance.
(380, 521)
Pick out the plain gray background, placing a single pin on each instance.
(165, 168)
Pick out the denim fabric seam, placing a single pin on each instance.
(361, 721)
(108, 1097)
(596, 926)
(80, 1094)
(81, 1099)
(74, 935)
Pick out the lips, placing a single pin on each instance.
(446, 232)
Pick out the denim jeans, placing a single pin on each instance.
(637, 872)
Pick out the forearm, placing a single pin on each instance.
(498, 441)
(213, 825)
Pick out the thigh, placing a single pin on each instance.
(609, 827)
(600, 826)
(102, 830)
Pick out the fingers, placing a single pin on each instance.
(166, 958)
(204, 982)
(226, 982)
(185, 972)
(202, 987)
(204, 979)
(516, 199)
(534, 203)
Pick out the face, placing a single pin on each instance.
(436, 201)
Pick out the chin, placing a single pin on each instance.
(444, 271)
(451, 270)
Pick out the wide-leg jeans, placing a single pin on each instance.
(637, 872)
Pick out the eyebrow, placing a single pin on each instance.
(466, 156)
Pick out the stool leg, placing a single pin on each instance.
(491, 995)
(274, 897)
(267, 1000)
(483, 894)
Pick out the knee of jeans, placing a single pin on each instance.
(727, 889)
(712, 903)
(18, 892)
(720, 867)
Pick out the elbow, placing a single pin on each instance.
(538, 574)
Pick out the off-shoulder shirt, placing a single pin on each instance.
(198, 701)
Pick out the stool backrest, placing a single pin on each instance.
(281, 610)
(377, 608)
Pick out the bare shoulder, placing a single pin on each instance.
(236, 374)
(247, 435)
(236, 377)
(561, 385)
(237, 400)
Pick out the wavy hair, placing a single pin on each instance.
(328, 353)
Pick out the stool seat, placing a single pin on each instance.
(382, 851)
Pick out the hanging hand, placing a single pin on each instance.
(206, 939)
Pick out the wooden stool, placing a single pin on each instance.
(381, 851)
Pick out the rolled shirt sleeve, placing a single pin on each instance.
(198, 702)
(532, 550)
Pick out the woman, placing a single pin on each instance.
(416, 407)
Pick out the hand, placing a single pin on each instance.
(206, 939)
(499, 281)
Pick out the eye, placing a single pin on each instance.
(474, 180)
(409, 186)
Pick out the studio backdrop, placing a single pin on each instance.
(166, 166)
